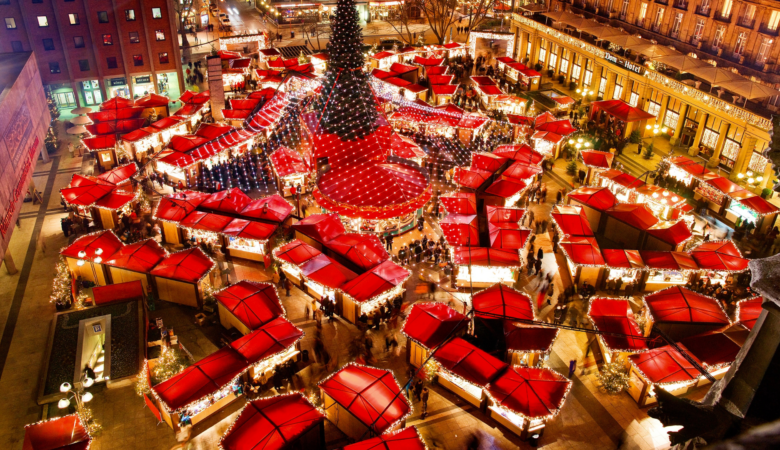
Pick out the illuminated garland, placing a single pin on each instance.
(406, 322)
(259, 284)
(80, 422)
(543, 352)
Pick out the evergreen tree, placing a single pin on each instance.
(346, 106)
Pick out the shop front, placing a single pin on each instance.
(117, 87)
(62, 94)
(142, 85)
(168, 85)
(90, 92)
(385, 10)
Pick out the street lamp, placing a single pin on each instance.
(656, 129)
(80, 395)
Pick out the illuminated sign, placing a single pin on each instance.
(636, 68)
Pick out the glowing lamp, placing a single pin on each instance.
(65, 387)
(760, 179)
(571, 141)
(666, 193)
(63, 403)
(655, 194)
(82, 254)
(740, 175)
(80, 262)
(751, 180)
(98, 259)
(86, 397)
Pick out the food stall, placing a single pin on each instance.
(465, 370)
(666, 269)
(85, 256)
(747, 206)
(428, 326)
(105, 148)
(624, 265)
(459, 202)
(134, 262)
(527, 345)
(524, 399)
(619, 183)
(748, 311)
(323, 277)
(383, 60)
(718, 260)
(362, 399)
(460, 229)
(507, 190)
(664, 367)
(583, 259)
(100, 200)
(482, 267)
(374, 288)
(248, 305)
(680, 312)
(182, 277)
(141, 143)
(615, 317)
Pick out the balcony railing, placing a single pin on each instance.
(769, 32)
(681, 5)
(703, 11)
(723, 18)
(746, 22)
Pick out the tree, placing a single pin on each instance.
(182, 8)
(400, 24)
(444, 14)
(346, 106)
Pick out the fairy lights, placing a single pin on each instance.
(511, 414)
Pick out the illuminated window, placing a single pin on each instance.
(671, 119)
(164, 58)
(774, 19)
(160, 34)
(757, 163)
(653, 108)
(130, 15)
(108, 40)
(156, 13)
(728, 156)
(73, 19)
(138, 60)
(134, 38)
(43, 21)
(10, 23)
(709, 138)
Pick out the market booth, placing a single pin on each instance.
(625, 265)
(292, 256)
(492, 307)
(104, 199)
(583, 259)
(524, 399)
(406, 439)
(664, 367)
(527, 345)
(596, 162)
(209, 385)
(624, 112)
(571, 220)
(290, 169)
(594, 202)
(274, 423)
(615, 317)
(86, 254)
(248, 305)
(182, 277)
(374, 288)
(481, 266)
(717, 260)
(748, 311)
(465, 370)
(427, 327)
(666, 269)
(362, 399)
(62, 433)
(134, 262)
(680, 312)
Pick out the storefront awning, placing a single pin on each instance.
(175, 207)
(287, 162)
(501, 215)
(748, 311)
(377, 281)
(327, 272)
(530, 392)
(189, 266)
(620, 110)
(273, 208)
(676, 261)
(508, 236)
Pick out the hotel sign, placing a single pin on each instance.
(636, 68)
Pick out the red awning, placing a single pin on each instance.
(623, 259)
(371, 395)
(529, 339)
(405, 148)
(483, 81)
(273, 208)
(100, 142)
(502, 302)
(152, 101)
(715, 350)
(490, 257)
(460, 229)
(678, 304)
(521, 171)
(270, 339)
(599, 199)
(175, 207)
(500, 214)
(231, 201)
(199, 220)
(582, 250)
(571, 220)
(490, 90)
(486, 161)
(63, 433)
(725, 185)
(469, 178)
(85, 191)
(119, 175)
(440, 79)
(469, 362)
(327, 272)
(428, 61)
(376, 281)
(759, 205)
(507, 236)
(522, 152)
(668, 260)
(562, 127)
(114, 200)
(139, 257)
(674, 233)
(271, 423)
(120, 292)
(287, 162)
(622, 178)
(104, 244)
(530, 392)
(664, 365)
(693, 168)
(191, 97)
(254, 304)
(431, 323)
(296, 252)
(719, 255)
(638, 215)
(249, 229)
(460, 203)
(506, 187)
(748, 311)
(189, 266)
(615, 316)
(320, 227)
(365, 250)
(620, 110)
(406, 439)
(188, 109)
(597, 159)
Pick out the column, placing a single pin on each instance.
(699, 131)
(662, 112)
(214, 65)
(722, 132)
(743, 159)
(10, 267)
(683, 111)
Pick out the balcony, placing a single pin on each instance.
(764, 30)
(721, 18)
(681, 5)
(746, 22)
(703, 11)
(662, 2)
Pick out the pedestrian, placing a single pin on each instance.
(531, 262)
(538, 266)
(287, 285)
(630, 290)
(540, 253)
(425, 394)
(418, 388)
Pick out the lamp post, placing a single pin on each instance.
(750, 178)
(79, 394)
(97, 260)
(655, 129)
(579, 144)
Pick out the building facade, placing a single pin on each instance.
(91, 50)
(729, 137)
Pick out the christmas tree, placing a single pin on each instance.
(614, 377)
(346, 105)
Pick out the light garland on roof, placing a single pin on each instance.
(631, 320)
(649, 311)
(543, 352)
(509, 412)
(738, 313)
(87, 428)
(205, 274)
(509, 37)
(261, 39)
(471, 388)
(261, 285)
(669, 386)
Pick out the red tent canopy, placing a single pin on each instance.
(483, 81)
(440, 79)
(376, 281)
(327, 272)
(678, 304)
(715, 350)
(63, 433)
(139, 134)
(502, 302)
(199, 220)
(119, 175)
(321, 227)
(623, 259)
(100, 142)
(405, 148)
(507, 235)
(597, 159)
(490, 257)
(725, 185)
(460, 229)
(189, 266)
(531, 393)
(249, 229)
(471, 178)
(115, 199)
(622, 178)
(141, 256)
(104, 244)
(571, 220)
(460, 203)
(165, 123)
(486, 161)
(674, 233)
(548, 136)
(748, 311)
(175, 207)
(519, 170)
(615, 316)
(231, 201)
(271, 423)
(599, 199)
(695, 169)
(227, 55)
(253, 303)
(528, 339)
(191, 97)
(668, 260)
(506, 187)
(119, 292)
(437, 70)
(406, 439)
(431, 323)
(273, 208)
(620, 110)
(152, 101)
(428, 61)
(759, 205)
(270, 339)
(500, 214)
(287, 162)
(86, 191)
(522, 152)
(543, 118)
(365, 250)
(371, 395)
(664, 365)
(296, 252)
(562, 127)
(469, 362)
(638, 215)
(582, 250)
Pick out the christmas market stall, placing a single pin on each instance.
(292, 256)
(746, 206)
(319, 62)
(104, 148)
(139, 144)
(442, 88)
(524, 399)
(85, 256)
(184, 276)
(595, 161)
(404, 147)
(621, 335)
(664, 367)
(99, 200)
(360, 400)
(135, 262)
(465, 370)
(406, 439)
(428, 326)
(276, 423)
(639, 228)
(522, 153)
(629, 117)
(480, 266)
(373, 289)
(383, 60)
(594, 202)
(528, 345)
(680, 312)
(492, 307)
(748, 312)
(59, 433)
(550, 136)
(460, 229)
(290, 170)
(529, 79)
(718, 260)
(459, 202)
(248, 305)
(155, 105)
(624, 265)
(488, 90)
(583, 259)
(715, 351)
(666, 269)
(571, 220)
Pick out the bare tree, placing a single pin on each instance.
(182, 8)
(444, 14)
(477, 11)
(312, 32)
(400, 24)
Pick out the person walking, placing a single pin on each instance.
(418, 388)
(425, 394)
(287, 285)
(540, 253)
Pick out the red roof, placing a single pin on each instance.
(254, 304)
(481, 256)
(715, 350)
(437, 70)
(522, 152)
(599, 199)
(440, 79)
(405, 148)
(232, 201)
(249, 229)
(697, 170)
(191, 97)
(120, 292)
(460, 229)
(189, 266)
(532, 393)
(287, 162)
(483, 81)
(327, 272)
(664, 365)
(548, 136)
(199, 220)
(371, 395)
(471, 178)
(507, 235)
(597, 159)
(273, 208)
(296, 252)
(506, 187)
(469, 362)
(85, 191)
(104, 241)
(719, 255)
(678, 304)
(382, 55)
(502, 302)
(365, 250)
(500, 214)
(571, 220)
(528, 339)
(622, 178)
(431, 323)
(271, 338)
(490, 89)
(139, 257)
(623, 259)
(674, 233)
(543, 118)
(402, 68)
(562, 127)
(176, 207)
(615, 316)
(271, 423)
(115, 199)
(521, 171)
(748, 311)
(668, 260)
(152, 100)
(725, 185)
(376, 281)
(428, 62)
(582, 250)
(759, 205)
(227, 55)
(321, 227)
(638, 215)
(620, 110)
(120, 174)
(100, 142)
(62, 433)
(406, 439)
(460, 203)
(116, 103)
(486, 161)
